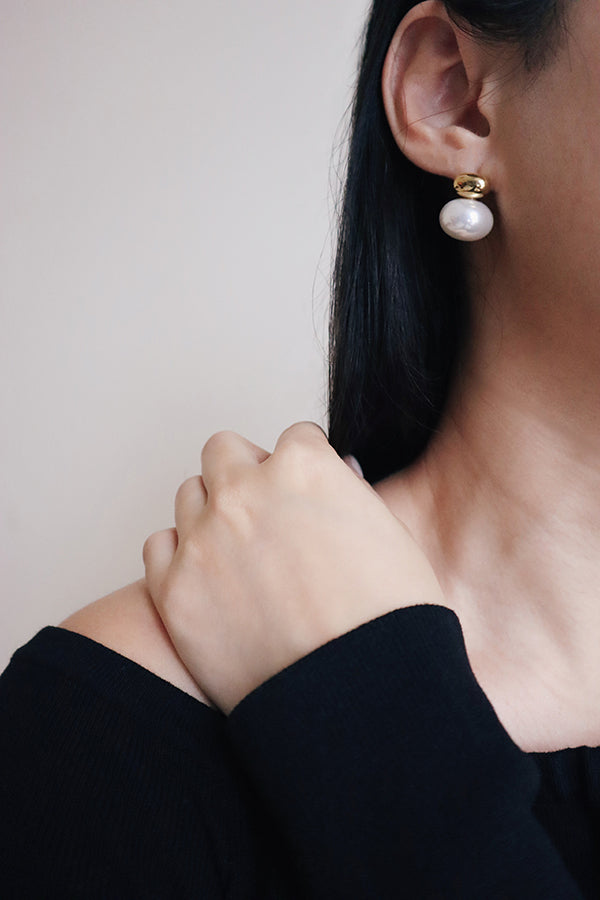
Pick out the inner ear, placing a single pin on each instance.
(458, 100)
(430, 77)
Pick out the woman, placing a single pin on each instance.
(399, 683)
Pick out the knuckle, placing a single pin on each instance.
(219, 441)
(158, 543)
(303, 444)
(185, 487)
(300, 462)
(147, 549)
(304, 430)
(296, 453)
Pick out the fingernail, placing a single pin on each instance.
(354, 464)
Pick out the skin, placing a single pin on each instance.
(127, 621)
(503, 505)
(274, 555)
(505, 501)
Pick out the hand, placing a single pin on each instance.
(274, 555)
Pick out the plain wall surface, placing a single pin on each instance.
(166, 198)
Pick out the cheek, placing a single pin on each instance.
(551, 163)
(562, 122)
(548, 141)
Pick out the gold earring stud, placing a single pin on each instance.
(466, 218)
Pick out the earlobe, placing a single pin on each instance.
(431, 88)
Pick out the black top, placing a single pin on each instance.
(375, 767)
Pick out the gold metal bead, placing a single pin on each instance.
(471, 187)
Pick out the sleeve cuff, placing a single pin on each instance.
(384, 763)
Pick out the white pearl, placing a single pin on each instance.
(466, 220)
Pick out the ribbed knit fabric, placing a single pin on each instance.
(375, 767)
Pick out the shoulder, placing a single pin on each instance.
(127, 622)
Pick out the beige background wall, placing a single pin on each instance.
(165, 207)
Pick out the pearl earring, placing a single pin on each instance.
(466, 219)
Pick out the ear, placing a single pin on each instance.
(432, 86)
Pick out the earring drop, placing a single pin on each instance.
(467, 219)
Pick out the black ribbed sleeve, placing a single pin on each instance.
(373, 768)
(384, 763)
(115, 785)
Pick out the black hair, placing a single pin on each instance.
(399, 317)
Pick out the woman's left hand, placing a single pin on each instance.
(274, 555)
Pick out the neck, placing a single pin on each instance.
(506, 499)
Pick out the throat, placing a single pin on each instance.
(513, 534)
(531, 629)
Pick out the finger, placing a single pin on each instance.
(354, 464)
(190, 500)
(158, 552)
(226, 451)
(303, 433)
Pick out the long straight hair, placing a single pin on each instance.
(400, 310)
